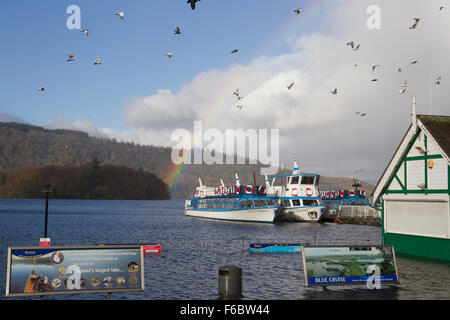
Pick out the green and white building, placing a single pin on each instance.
(414, 190)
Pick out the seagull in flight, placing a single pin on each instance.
(373, 67)
(415, 61)
(290, 86)
(71, 57)
(351, 44)
(399, 70)
(192, 2)
(334, 91)
(97, 61)
(41, 89)
(234, 51)
(416, 22)
(177, 30)
(239, 106)
(356, 48)
(438, 80)
(441, 7)
(357, 112)
(405, 84)
(236, 92)
(373, 80)
(298, 11)
(121, 15)
(355, 64)
(85, 31)
(239, 98)
(362, 114)
(402, 90)
(169, 54)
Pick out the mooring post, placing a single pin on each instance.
(230, 282)
(47, 189)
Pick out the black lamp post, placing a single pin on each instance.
(47, 189)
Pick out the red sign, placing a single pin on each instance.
(44, 242)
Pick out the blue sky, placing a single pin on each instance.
(138, 94)
(36, 42)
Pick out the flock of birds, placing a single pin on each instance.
(298, 11)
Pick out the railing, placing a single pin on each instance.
(364, 212)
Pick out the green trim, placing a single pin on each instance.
(444, 191)
(428, 247)
(425, 161)
(433, 156)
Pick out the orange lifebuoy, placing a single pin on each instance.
(294, 194)
(309, 192)
(246, 189)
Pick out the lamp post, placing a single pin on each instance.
(47, 189)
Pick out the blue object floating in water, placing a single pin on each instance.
(276, 247)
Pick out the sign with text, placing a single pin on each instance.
(44, 242)
(71, 270)
(339, 265)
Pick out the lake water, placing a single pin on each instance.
(194, 249)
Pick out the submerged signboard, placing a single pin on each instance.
(68, 270)
(338, 265)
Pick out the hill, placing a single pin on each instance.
(24, 145)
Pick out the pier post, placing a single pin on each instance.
(230, 282)
(47, 189)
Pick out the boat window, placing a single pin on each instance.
(296, 202)
(294, 180)
(308, 180)
(317, 180)
(308, 202)
(245, 203)
(286, 203)
(270, 202)
(260, 203)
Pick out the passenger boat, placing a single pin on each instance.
(299, 197)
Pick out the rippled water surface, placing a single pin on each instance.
(193, 250)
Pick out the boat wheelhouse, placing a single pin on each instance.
(299, 197)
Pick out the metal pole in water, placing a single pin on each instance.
(47, 189)
(230, 282)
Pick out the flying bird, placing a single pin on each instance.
(298, 11)
(357, 112)
(334, 91)
(290, 86)
(239, 97)
(120, 14)
(438, 80)
(374, 80)
(416, 22)
(356, 48)
(373, 67)
(405, 84)
(236, 92)
(355, 64)
(234, 51)
(402, 90)
(169, 54)
(97, 61)
(71, 57)
(399, 70)
(41, 89)
(239, 106)
(85, 31)
(177, 30)
(414, 62)
(192, 2)
(362, 114)
(351, 44)
(441, 7)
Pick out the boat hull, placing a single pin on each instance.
(267, 215)
(304, 214)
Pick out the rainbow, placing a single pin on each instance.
(220, 105)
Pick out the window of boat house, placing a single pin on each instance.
(317, 180)
(270, 202)
(307, 202)
(308, 180)
(260, 203)
(296, 202)
(286, 203)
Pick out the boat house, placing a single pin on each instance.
(414, 190)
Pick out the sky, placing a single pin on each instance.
(139, 94)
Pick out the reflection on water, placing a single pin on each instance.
(193, 250)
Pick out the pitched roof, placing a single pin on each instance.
(439, 128)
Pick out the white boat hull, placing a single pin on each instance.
(248, 215)
(304, 214)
